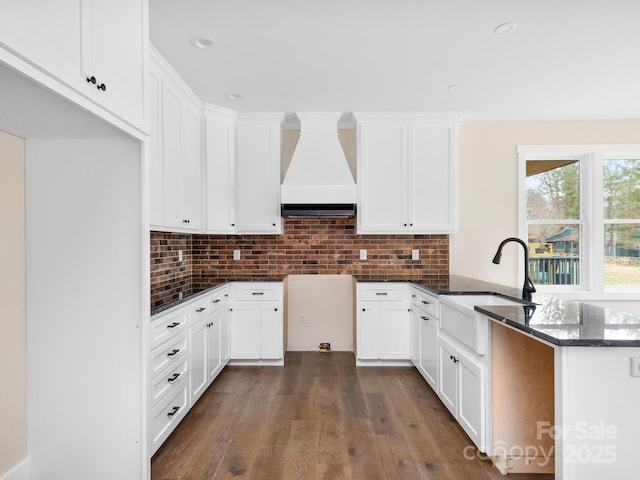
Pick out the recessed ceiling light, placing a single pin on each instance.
(456, 87)
(234, 96)
(203, 42)
(504, 28)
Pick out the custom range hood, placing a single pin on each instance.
(318, 181)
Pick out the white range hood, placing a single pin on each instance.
(318, 173)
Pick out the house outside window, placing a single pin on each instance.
(579, 211)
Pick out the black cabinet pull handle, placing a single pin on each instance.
(215, 301)
(425, 318)
(382, 293)
(173, 411)
(172, 353)
(233, 224)
(411, 224)
(405, 224)
(455, 360)
(425, 302)
(276, 309)
(451, 357)
(257, 293)
(201, 309)
(173, 377)
(173, 325)
(364, 309)
(91, 79)
(102, 87)
(274, 224)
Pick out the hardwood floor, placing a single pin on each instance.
(320, 417)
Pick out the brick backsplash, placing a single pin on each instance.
(309, 245)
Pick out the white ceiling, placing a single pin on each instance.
(566, 59)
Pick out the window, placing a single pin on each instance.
(580, 214)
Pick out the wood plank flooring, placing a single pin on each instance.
(319, 417)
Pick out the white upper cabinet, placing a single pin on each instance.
(96, 47)
(175, 152)
(220, 170)
(406, 173)
(258, 161)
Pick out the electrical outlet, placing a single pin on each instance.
(363, 254)
(236, 254)
(415, 254)
(179, 255)
(304, 319)
(635, 366)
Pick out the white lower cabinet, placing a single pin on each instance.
(428, 352)
(461, 387)
(189, 344)
(383, 322)
(256, 322)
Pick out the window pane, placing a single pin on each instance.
(622, 189)
(553, 193)
(622, 254)
(554, 254)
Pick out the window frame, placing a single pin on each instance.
(591, 160)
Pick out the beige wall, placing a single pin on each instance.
(13, 390)
(487, 185)
(327, 301)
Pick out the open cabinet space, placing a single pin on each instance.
(522, 382)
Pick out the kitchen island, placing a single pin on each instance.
(583, 415)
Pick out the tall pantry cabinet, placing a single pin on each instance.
(87, 286)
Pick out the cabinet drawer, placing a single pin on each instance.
(168, 380)
(258, 291)
(166, 327)
(168, 413)
(200, 309)
(168, 354)
(428, 303)
(382, 291)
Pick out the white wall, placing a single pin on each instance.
(85, 309)
(13, 388)
(327, 300)
(487, 186)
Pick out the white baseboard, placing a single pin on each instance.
(21, 471)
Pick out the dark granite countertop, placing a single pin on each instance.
(556, 320)
(568, 323)
(212, 286)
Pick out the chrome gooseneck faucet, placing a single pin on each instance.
(527, 288)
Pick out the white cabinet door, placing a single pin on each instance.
(394, 330)
(382, 177)
(156, 176)
(225, 335)
(114, 55)
(431, 178)
(406, 173)
(367, 344)
(198, 371)
(214, 353)
(176, 159)
(272, 330)
(414, 352)
(244, 323)
(471, 397)
(47, 34)
(448, 381)
(191, 198)
(220, 171)
(173, 172)
(258, 159)
(429, 348)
